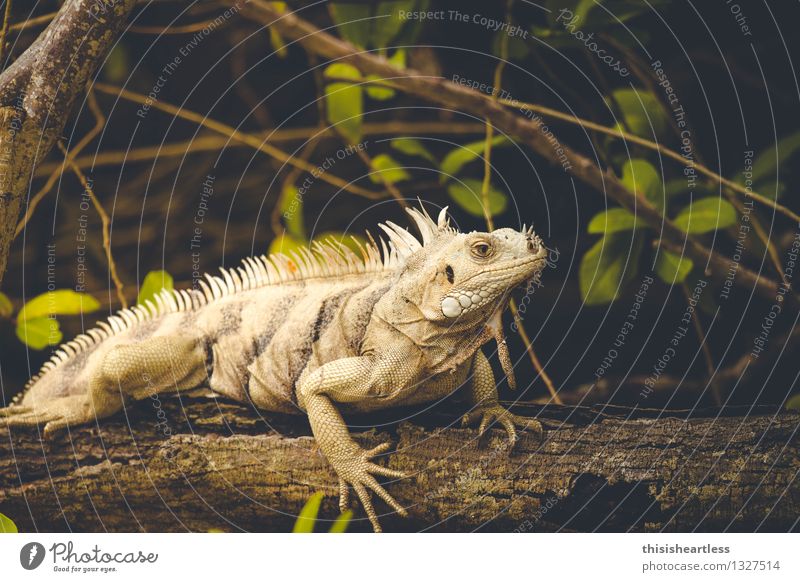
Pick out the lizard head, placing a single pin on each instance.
(466, 277)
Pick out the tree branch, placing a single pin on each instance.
(37, 93)
(196, 464)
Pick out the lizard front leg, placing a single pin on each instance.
(351, 381)
(483, 397)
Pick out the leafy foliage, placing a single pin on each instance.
(39, 332)
(460, 156)
(6, 308)
(467, 194)
(672, 268)
(154, 282)
(386, 168)
(344, 102)
(413, 147)
(58, 302)
(308, 517)
(705, 215)
(766, 165)
(7, 525)
(375, 24)
(36, 323)
(612, 220)
(640, 177)
(608, 266)
(641, 111)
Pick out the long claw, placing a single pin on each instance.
(386, 472)
(344, 496)
(363, 495)
(508, 424)
(487, 418)
(383, 494)
(381, 448)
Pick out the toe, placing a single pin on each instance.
(344, 496)
(509, 426)
(381, 448)
(363, 496)
(383, 494)
(385, 472)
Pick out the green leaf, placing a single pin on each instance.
(607, 266)
(768, 163)
(792, 404)
(612, 220)
(6, 308)
(344, 102)
(285, 244)
(7, 525)
(341, 523)
(673, 268)
(378, 92)
(467, 195)
(353, 22)
(308, 515)
(460, 156)
(706, 214)
(771, 189)
(638, 115)
(383, 93)
(152, 285)
(58, 302)
(116, 67)
(641, 177)
(412, 147)
(385, 167)
(387, 24)
(277, 43)
(39, 332)
(292, 211)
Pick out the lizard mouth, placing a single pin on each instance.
(498, 281)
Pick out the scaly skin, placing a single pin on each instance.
(319, 334)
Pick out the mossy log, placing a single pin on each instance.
(197, 464)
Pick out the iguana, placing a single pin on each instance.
(321, 332)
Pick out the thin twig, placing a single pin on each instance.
(534, 358)
(709, 360)
(31, 22)
(261, 145)
(214, 142)
(388, 184)
(4, 31)
(621, 134)
(624, 135)
(112, 266)
(100, 121)
(487, 177)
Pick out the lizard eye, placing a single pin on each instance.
(481, 249)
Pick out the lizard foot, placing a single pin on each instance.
(358, 471)
(496, 413)
(56, 415)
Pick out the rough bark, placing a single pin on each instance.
(198, 464)
(37, 93)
